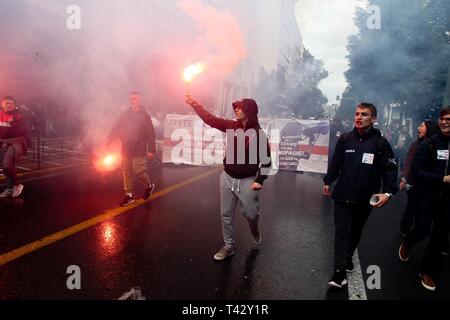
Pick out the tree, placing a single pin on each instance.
(293, 91)
(406, 61)
(306, 99)
(269, 91)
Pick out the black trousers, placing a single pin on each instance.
(349, 221)
(411, 210)
(439, 234)
(423, 218)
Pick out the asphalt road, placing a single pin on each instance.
(166, 246)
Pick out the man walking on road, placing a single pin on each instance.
(15, 137)
(244, 168)
(135, 131)
(362, 160)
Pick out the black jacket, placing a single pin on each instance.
(136, 133)
(430, 166)
(358, 181)
(232, 167)
(406, 172)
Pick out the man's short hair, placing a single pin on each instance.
(135, 93)
(371, 107)
(444, 112)
(4, 98)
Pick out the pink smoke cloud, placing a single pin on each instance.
(222, 34)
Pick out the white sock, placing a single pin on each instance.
(130, 195)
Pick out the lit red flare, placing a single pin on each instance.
(108, 159)
(192, 70)
(108, 162)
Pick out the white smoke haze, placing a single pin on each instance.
(118, 50)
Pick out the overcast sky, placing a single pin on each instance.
(325, 26)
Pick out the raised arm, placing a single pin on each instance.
(210, 119)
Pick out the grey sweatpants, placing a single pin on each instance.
(233, 191)
(9, 160)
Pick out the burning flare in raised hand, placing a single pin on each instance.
(193, 70)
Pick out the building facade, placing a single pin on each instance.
(272, 35)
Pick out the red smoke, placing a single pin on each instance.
(222, 33)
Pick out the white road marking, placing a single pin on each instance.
(23, 168)
(356, 286)
(54, 163)
(133, 294)
(77, 159)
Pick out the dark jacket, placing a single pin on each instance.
(358, 181)
(430, 166)
(406, 172)
(135, 131)
(231, 166)
(13, 125)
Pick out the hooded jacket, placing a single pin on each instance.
(234, 167)
(361, 167)
(13, 125)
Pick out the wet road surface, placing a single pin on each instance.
(166, 246)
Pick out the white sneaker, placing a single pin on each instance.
(17, 190)
(223, 253)
(7, 193)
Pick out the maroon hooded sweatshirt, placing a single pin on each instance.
(232, 167)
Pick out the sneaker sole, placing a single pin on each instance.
(349, 270)
(17, 195)
(257, 242)
(220, 259)
(425, 285)
(400, 256)
(335, 285)
(128, 203)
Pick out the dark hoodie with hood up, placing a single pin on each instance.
(233, 167)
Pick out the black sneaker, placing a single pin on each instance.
(349, 265)
(339, 279)
(148, 191)
(126, 201)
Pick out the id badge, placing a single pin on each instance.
(442, 154)
(368, 158)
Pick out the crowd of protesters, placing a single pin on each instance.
(363, 162)
(424, 176)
